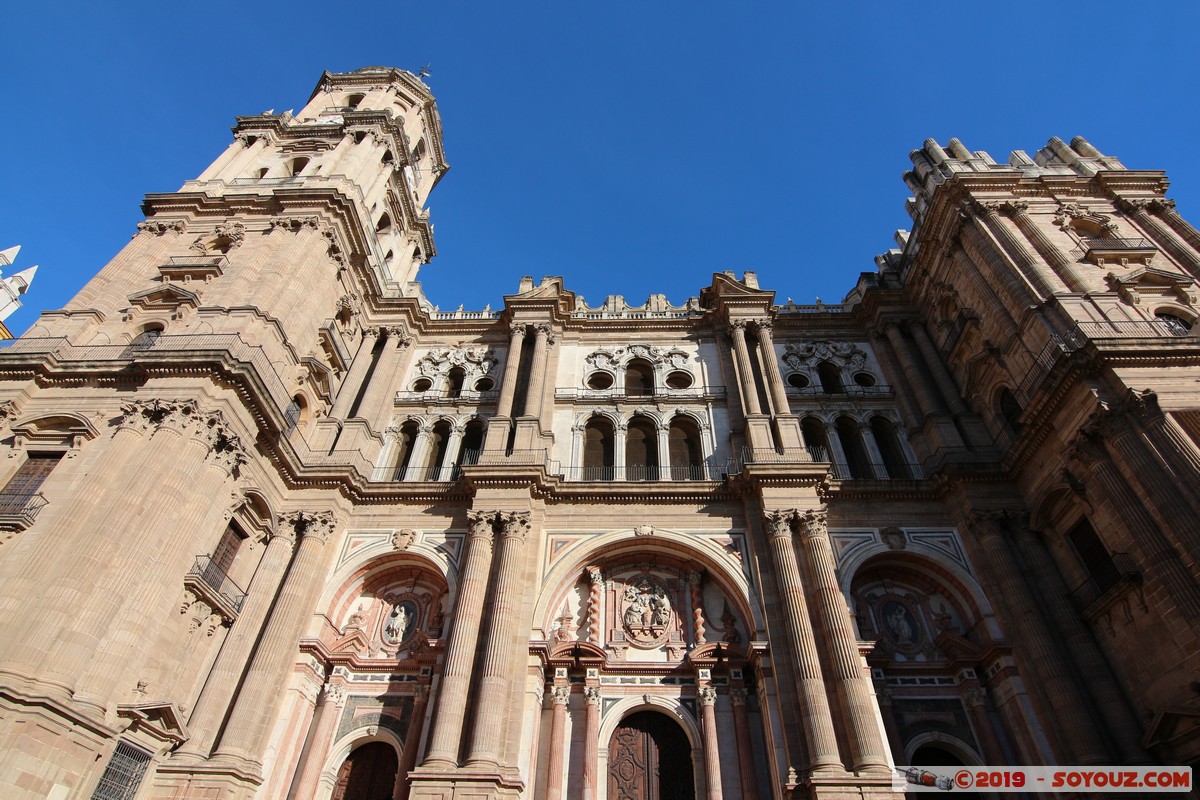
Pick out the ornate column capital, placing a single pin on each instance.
(560, 695)
(421, 693)
(591, 695)
(764, 325)
(706, 696)
(738, 325)
(517, 330)
(1016, 208)
(595, 575)
(480, 524)
(814, 522)
(545, 331)
(737, 695)
(515, 525)
(976, 696)
(318, 525)
(779, 522)
(335, 694)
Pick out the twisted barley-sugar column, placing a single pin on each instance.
(1068, 704)
(706, 697)
(512, 362)
(766, 352)
(235, 652)
(1119, 720)
(693, 578)
(737, 329)
(1161, 556)
(559, 697)
(308, 773)
(866, 746)
(591, 743)
(1048, 250)
(412, 740)
(595, 598)
(246, 731)
(817, 721)
(496, 673)
(747, 775)
(185, 512)
(446, 737)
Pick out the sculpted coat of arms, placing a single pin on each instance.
(646, 612)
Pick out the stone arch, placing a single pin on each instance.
(669, 707)
(965, 752)
(345, 745)
(376, 559)
(607, 547)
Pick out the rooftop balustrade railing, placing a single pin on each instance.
(1131, 329)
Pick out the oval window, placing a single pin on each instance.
(422, 385)
(679, 380)
(484, 385)
(798, 380)
(600, 380)
(864, 379)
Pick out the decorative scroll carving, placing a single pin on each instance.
(403, 539)
(1069, 212)
(160, 227)
(295, 224)
(893, 537)
(475, 362)
(613, 358)
(230, 233)
(807, 355)
(646, 612)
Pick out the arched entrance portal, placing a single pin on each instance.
(368, 773)
(649, 758)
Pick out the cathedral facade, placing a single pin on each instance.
(274, 527)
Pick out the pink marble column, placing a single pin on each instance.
(976, 700)
(595, 597)
(706, 697)
(312, 757)
(496, 673)
(559, 697)
(412, 741)
(591, 743)
(445, 740)
(747, 775)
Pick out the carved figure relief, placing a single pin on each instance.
(613, 358)
(647, 613)
(399, 622)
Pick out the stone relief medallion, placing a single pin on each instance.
(647, 616)
(402, 617)
(896, 619)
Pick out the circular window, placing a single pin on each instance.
(864, 379)
(679, 380)
(422, 385)
(484, 385)
(600, 380)
(798, 380)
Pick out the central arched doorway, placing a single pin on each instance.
(368, 773)
(649, 758)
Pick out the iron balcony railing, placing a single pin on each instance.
(1121, 573)
(644, 472)
(1116, 244)
(212, 577)
(793, 455)
(853, 390)
(872, 471)
(466, 395)
(20, 509)
(1131, 329)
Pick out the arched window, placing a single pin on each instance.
(831, 378)
(454, 382)
(260, 173)
(815, 439)
(598, 450)
(687, 454)
(146, 339)
(404, 449)
(368, 772)
(1010, 410)
(641, 450)
(435, 456)
(293, 413)
(1174, 325)
(639, 378)
(894, 459)
(384, 224)
(857, 461)
(472, 443)
(353, 100)
(296, 166)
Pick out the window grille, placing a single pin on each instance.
(123, 774)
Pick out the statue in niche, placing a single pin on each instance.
(899, 623)
(399, 621)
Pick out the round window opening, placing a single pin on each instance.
(600, 380)
(679, 380)
(423, 385)
(484, 385)
(864, 379)
(798, 381)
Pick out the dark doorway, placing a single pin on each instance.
(368, 773)
(649, 758)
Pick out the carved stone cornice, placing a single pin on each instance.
(295, 224)
(159, 227)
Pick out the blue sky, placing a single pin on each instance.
(629, 147)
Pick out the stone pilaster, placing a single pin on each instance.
(737, 329)
(591, 743)
(412, 740)
(1048, 250)
(359, 366)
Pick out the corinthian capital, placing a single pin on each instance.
(814, 522)
(480, 524)
(779, 522)
(515, 525)
(707, 696)
(316, 524)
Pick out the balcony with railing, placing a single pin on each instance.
(1132, 329)
(435, 397)
(1115, 249)
(635, 473)
(1107, 585)
(18, 510)
(208, 582)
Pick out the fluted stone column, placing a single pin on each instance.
(591, 743)
(816, 718)
(496, 672)
(417, 469)
(543, 338)
(359, 366)
(445, 740)
(976, 702)
(663, 437)
(308, 773)
(382, 399)
(1165, 209)
(1069, 707)
(927, 402)
(559, 697)
(937, 368)
(1162, 558)
(895, 740)
(620, 434)
(1110, 701)
(412, 740)
(866, 746)
(1024, 260)
(1048, 250)
(706, 698)
(1160, 234)
(747, 775)
(737, 329)
(512, 362)
(235, 652)
(453, 443)
(236, 148)
(257, 701)
(978, 245)
(766, 351)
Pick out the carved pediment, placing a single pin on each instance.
(167, 297)
(160, 720)
(1150, 280)
(1174, 728)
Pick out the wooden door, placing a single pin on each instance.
(368, 773)
(649, 758)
